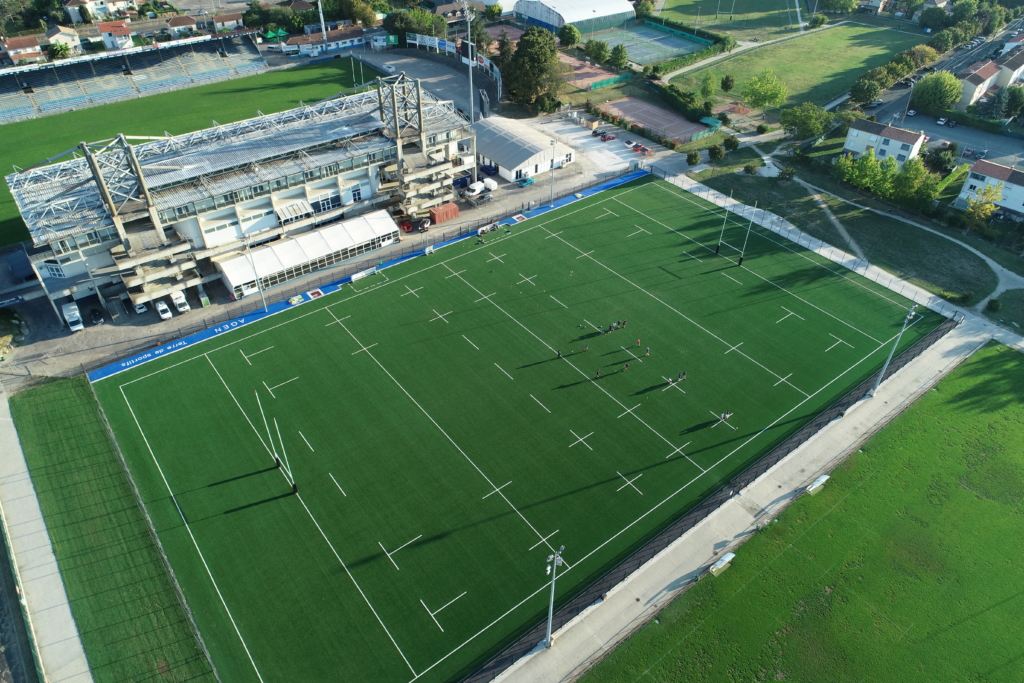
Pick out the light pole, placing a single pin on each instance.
(906, 321)
(743, 251)
(554, 562)
(551, 202)
(253, 264)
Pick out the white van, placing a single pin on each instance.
(72, 316)
(179, 302)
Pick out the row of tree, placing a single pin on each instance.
(871, 84)
(988, 16)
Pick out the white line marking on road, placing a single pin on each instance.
(629, 482)
(539, 403)
(471, 343)
(503, 370)
(580, 439)
(336, 482)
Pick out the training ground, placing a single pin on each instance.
(441, 447)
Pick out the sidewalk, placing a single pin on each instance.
(631, 604)
(53, 628)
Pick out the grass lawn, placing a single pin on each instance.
(904, 567)
(442, 450)
(1012, 310)
(733, 162)
(130, 620)
(744, 19)
(29, 142)
(817, 67)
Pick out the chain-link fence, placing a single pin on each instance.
(620, 572)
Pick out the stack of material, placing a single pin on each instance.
(445, 212)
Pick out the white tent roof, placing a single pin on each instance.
(510, 143)
(574, 11)
(309, 246)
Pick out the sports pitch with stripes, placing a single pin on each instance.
(446, 429)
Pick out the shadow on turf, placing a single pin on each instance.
(258, 502)
(241, 476)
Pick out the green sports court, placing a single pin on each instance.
(452, 420)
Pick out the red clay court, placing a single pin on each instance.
(583, 74)
(654, 118)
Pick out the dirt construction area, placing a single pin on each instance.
(583, 74)
(656, 119)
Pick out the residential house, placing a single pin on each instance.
(944, 4)
(115, 34)
(873, 6)
(455, 11)
(295, 5)
(98, 9)
(987, 173)
(18, 49)
(227, 22)
(975, 81)
(882, 140)
(181, 26)
(1011, 66)
(68, 36)
(313, 44)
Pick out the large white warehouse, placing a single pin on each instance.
(518, 150)
(586, 15)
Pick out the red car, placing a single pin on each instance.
(606, 138)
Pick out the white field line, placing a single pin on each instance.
(539, 403)
(788, 313)
(337, 484)
(629, 482)
(732, 278)
(307, 441)
(581, 439)
(503, 370)
(412, 291)
(440, 608)
(497, 489)
(545, 539)
(471, 343)
(558, 302)
(397, 549)
(440, 316)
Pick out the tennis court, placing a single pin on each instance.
(657, 119)
(647, 45)
(451, 421)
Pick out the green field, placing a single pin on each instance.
(817, 67)
(905, 567)
(131, 623)
(744, 19)
(441, 450)
(30, 142)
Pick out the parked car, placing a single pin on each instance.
(411, 225)
(140, 309)
(941, 122)
(644, 151)
(873, 104)
(927, 138)
(606, 138)
(630, 143)
(163, 310)
(480, 199)
(526, 181)
(96, 315)
(599, 132)
(72, 316)
(911, 113)
(179, 302)
(951, 124)
(489, 170)
(969, 152)
(982, 154)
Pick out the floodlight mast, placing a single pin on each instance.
(470, 48)
(323, 26)
(906, 321)
(554, 562)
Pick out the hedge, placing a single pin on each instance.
(972, 121)
(952, 177)
(722, 43)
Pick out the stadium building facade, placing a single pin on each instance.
(586, 15)
(141, 218)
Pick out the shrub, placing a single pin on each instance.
(693, 158)
(763, 128)
(716, 152)
(724, 118)
(750, 169)
(731, 143)
(961, 298)
(787, 173)
(994, 305)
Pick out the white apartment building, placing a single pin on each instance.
(883, 141)
(987, 173)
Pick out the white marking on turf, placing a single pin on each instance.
(440, 608)
(412, 291)
(732, 278)
(336, 320)
(557, 301)
(440, 316)
(630, 411)
(733, 348)
(580, 439)
(495, 258)
(678, 450)
(544, 540)
(788, 313)
(526, 279)
(278, 386)
(471, 343)
(397, 549)
(629, 482)
(497, 489)
(307, 441)
(721, 420)
(673, 384)
(454, 273)
(783, 380)
(636, 358)
(365, 348)
(484, 298)
(503, 370)
(539, 403)
(838, 342)
(336, 483)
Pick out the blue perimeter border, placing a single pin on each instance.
(209, 333)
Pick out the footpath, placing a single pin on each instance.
(52, 628)
(587, 639)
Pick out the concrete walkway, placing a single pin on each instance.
(631, 604)
(52, 626)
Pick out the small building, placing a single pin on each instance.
(873, 6)
(943, 4)
(116, 34)
(975, 81)
(883, 141)
(67, 36)
(518, 150)
(309, 29)
(181, 26)
(1011, 66)
(313, 44)
(97, 9)
(15, 50)
(586, 15)
(456, 11)
(227, 22)
(987, 173)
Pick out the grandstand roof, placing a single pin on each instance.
(118, 28)
(181, 21)
(62, 199)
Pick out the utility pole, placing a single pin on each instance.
(470, 50)
(906, 321)
(253, 264)
(323, 26)
(554, 562)
(552, 201)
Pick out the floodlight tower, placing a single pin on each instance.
(323, 26)
(552, 201)
(554, 562)
(470, 53)
(906, 321)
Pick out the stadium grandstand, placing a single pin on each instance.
(141, 221)
(33, 91)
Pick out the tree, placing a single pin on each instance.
(808, 120)
(887, 172)
(905, 185)
(355, 10)
(940, 160)
(922, 55)
(533, 69)
(60, 51)
(619, 58)
(493, 12)
(480, 36)
(1014, 100)
(644, 9)
(597, 50)
(728, 82)
(817, 21)
(964, 10)
(569, 35)
(865, 171)
(765, 90)
(937, 91)
(506, 48)
(693, 158)
(981, 206)
(934, 18)
(838, 6)
(731, 143)
(707, 85)
(842, 168)
(941, 41)
(998, 105)
(415, 20)
(716, 153)
(865, 91)
(83, 12)
(844, 120)
(787, 173)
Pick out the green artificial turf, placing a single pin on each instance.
(442, 447)
(27, 143)
(817, 67)
(905, 567)
(131, 623)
